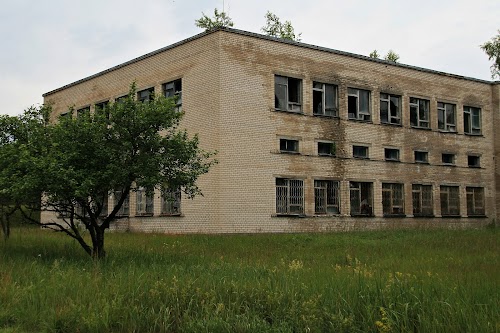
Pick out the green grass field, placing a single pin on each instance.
(383, 281)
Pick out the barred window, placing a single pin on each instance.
(144, 202)
(125, 208)
(171, 201)
(326, 197)
(393, 199)
(422, 200)
(289, 196)
(475, 201)
(361, 198)
(450, 200)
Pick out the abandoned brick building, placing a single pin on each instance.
(310, 138)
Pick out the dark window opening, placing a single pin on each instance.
(287, 94)
(473, 161)
(360, 151)
(289, 146)
(391, 154)
(326, 149)
(421, 157)
(361, 198)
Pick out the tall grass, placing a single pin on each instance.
(383, 281)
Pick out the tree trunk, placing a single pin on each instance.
(5, 226)
(98, 251)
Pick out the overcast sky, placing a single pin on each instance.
(50, 43)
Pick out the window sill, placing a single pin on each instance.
(449, 164)
(289, 152)
(418, 162)
(287, 111)
(421, 128)
(361, 120)
(394, 215)
(390, 124)
(326, 215)
(450, 216)
(319, 115)
(474, 166)
(171, 215)
(360, 158)
(423, 215)
(289, 215)
(143, 214)
(362, 215)
(326, 155)
(391, 160)
(447, 132)
(472, 134)
(477, 216)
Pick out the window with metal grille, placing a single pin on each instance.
(125, 208)
(393, 199)
(146, 95)
(450, 200)
(419, 112)
(325, 99)
(358, 104)
(171, 201)
(289, 196)
(144, 202)
(326, 197)
(174, 89)
(447, 121)
(422, 200)
(475, 201)
(361, 198)
(287, 94)
(390, 109)
(472, 120)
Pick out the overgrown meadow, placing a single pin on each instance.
(383, 281)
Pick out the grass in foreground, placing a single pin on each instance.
(383, 281)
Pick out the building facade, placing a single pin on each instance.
(311, 139)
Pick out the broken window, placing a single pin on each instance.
(422, 200)
(326, 149)
(174, 89)
(289, 146)
(448, 159)
(361, 198)
(146, 95)
(325, 99)
(391, 154)
(473, 161)
(125, 208)
(472, 120)
(171, 201)
(144, 202)
(83, 111)
(421, 156)
(447, 117)
(359, 151)
(475, 201)
(390, 109)
(419, 112)
(358, 104)
(393, 199)
(326, 197)
(287, 94)
(450, 200)
(289, 196)
(102, 108)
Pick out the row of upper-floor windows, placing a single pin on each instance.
(325, 102)
(327, 198)
(328, 148)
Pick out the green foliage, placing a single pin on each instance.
(275, 28)
(382, 281)
(219, 20)
(76, 161)
(392, 56)
(492, 49)
(374, 54)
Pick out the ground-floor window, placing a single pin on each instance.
(393, 199)
(171, 201)
(450, 200)
(475, 201)
(361, 198)
(289, 196)
(125, 208)
(144, 202)
(326, 197)
(422, 200)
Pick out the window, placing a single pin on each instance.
(472, 120)
(326, 149)
(102, 108)
(391, 154)
(361, 198)
(419, 112)
(287, 94)
(289, 196)
(174, 89)
(446, 117)
(393, 199)
(103, 203)
(475, 201)
(421, 156)
(473, 161)
(326, 197)
(121, 99)
(422, 200)
(289, 146)
(325, 99)
(146, 95)
(65, 115)
(359, 151)
(390, 109)
(358, 104)
(171, 201)
(450, 201)
(144, 202)
(124, 209)
(83, 111)
(448, 159)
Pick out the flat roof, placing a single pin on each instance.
(274, 39)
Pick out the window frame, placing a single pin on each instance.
(417, 152)
(446, 208)
(448, 156)
(393, 199)
(288, 204)
(288, 89)
(393, 150)
(326, 197)
(477, 158)
(173, 89)
(146, 95)
(359, 115)
(358, 147)
(356, 195)
(83, 111)
(289, 146)
(415, 104)
(469, 128)
(102, 107)
(332, 148)
(443, 124)
(390, 117)
(475, 206)
(144, 202)
(171, 201)
(124, 210)
(325, 112)
(423, 194)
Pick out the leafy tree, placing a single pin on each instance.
(275, 28)
(374, 54)
(219, 20)
(392, 56)
(492, 50)
(76, 162)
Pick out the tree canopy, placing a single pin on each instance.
(77, 161)
(492, 50)
(275, 28)
(219, 20)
